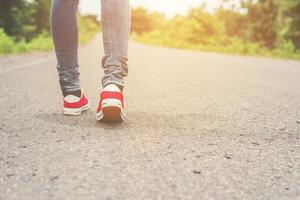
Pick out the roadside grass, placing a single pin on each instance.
(43, 42)
(230, 45)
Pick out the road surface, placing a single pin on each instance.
(199, 126)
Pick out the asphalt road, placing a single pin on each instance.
(199, 126)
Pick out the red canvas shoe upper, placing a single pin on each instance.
(110, 92)
(72, 101)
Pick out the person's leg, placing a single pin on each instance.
(116, 29)
(65, 37)
(115, 18)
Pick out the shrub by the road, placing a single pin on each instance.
(24, 26)
(8, 45)
(262, 27)
(87, 28)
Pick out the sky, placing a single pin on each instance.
(168, 7)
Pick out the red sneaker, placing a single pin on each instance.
(111, 105)
(74, 105)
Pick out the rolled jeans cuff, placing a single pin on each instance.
(115, 70)
(68, 71)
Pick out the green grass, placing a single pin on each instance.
(43, 42)
(222, 44)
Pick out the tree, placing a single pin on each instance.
(292, 12)
(13, 17)
(262, 22)
(234, 22)
(41, 15)
(141, 21)
(24, 19)
(209, 23)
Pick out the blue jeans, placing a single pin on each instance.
(115, 19)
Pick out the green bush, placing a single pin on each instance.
(7, 44)
(88, 27)
(255, 32)
(41, 42)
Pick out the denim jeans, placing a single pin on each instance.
(115, 19)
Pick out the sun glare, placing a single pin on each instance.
(167, 7)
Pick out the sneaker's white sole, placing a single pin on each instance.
(76, 111)
(112, 111)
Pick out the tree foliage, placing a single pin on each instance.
(261, 25)
(23, 19)
(250, 26)
(25, 26)
(292, 11)
(254, 24)
(143, 21)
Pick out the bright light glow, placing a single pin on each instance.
(168, 7)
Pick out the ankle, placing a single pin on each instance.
(113, 87)
(76, 93)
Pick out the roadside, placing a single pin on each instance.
(43, 42)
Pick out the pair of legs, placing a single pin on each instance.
(115, 19)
